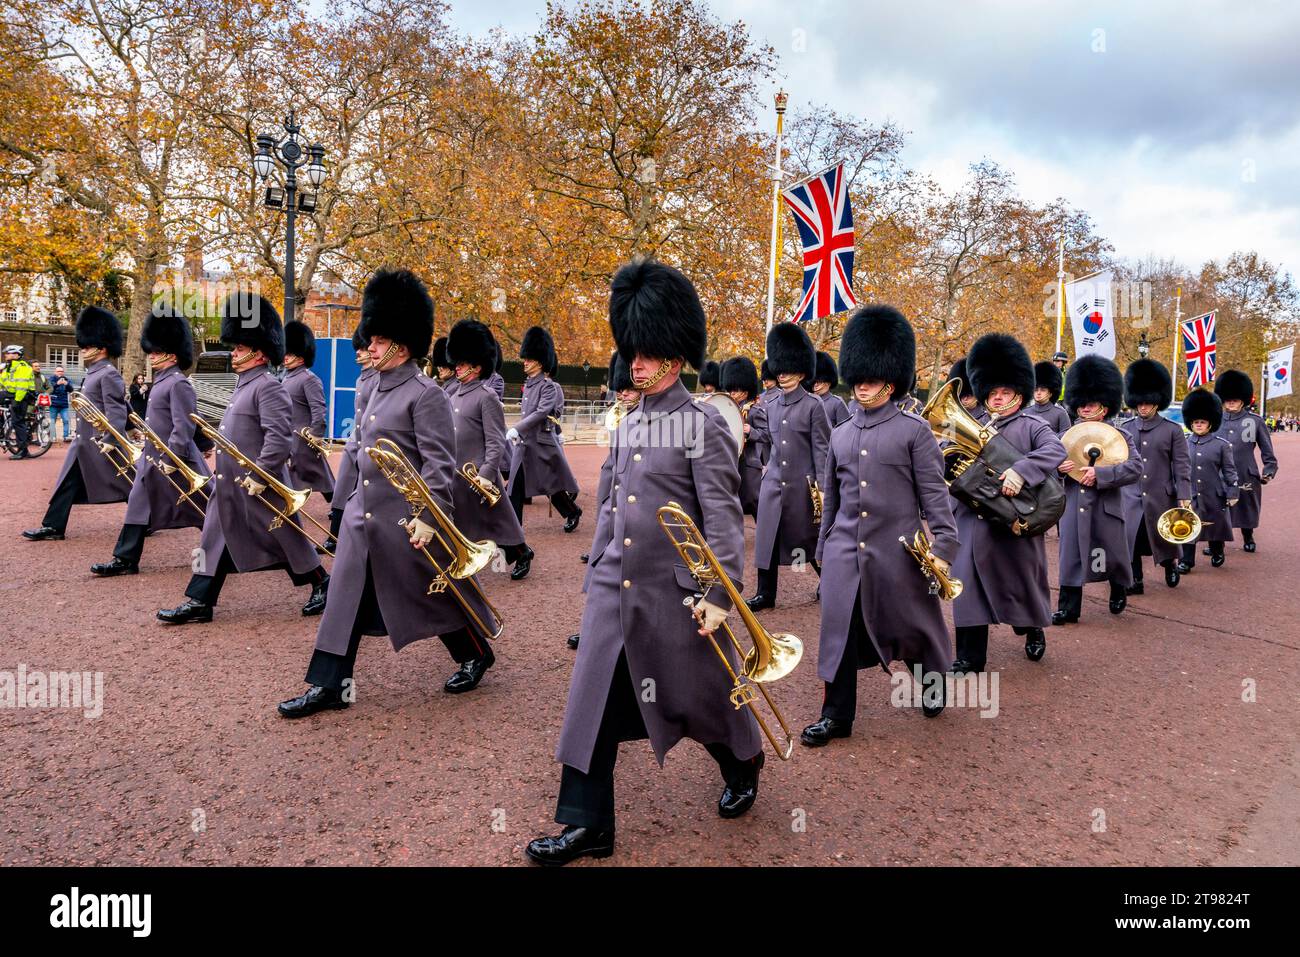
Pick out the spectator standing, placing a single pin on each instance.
(60, 388)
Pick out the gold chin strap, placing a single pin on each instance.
(665, 366)
(239, 364)
(877, 398)
(1095, 417)
(161, 360)
(1006, 407)
(469, 376)
(388, 355)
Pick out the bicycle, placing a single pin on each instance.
(40, 436)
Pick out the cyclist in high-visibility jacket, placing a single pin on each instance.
(19, 379)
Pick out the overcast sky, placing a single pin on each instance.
(1173, 123)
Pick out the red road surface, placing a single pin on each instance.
(1130, 743)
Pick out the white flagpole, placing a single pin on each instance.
(1060, 291)
(1263, 388)
(773, 260)
(1174, 371)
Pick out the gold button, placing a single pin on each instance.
(862, 514)
(627, 542)
(637, 457)
(862, 545)
(863, 484)
(626, 583)
(1081, 508)
(367, 514)
(631, 499)
(783, 485)
(616, 508)
(365, 481)
(784, 462)
(863, 452)
(220, 476)
(783, 441)
(372, 418)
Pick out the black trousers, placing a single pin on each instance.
(71, 491)
(1142, 548)
(769, 577)
(336, 520)
(329, 670)
(563, 501)
(513, 552)
(19, 412)
(1189, 551)
(130, 543)
(207, 588)
(587, 800)
(841, 697)
(1070, 599)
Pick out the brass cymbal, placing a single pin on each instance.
(1082, 439)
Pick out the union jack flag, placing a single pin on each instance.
(1199, 348)
(825, 219)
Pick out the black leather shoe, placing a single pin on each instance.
(572, 842)
(821, 732)
(1183, 567)
(584, 557)
(963, 666)
(315, 699)
(1247, 547)
(1171, 575)
(523, 565)
(572, 641)
(1036, 644)
(469, 674)
(113, 568)
(572, 521)
(759, 603)
(1118, 602)
(331, 545)
(190, 611)
(739, 796)
(43, 534)
(1137, 588)
(316, 603)
(1217, 561)
(1206, 552)
(19, 456)
(1061, 618)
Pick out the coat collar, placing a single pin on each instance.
(392, 378)
(467, 387)
(1146, 425)
(662, 403)
(870, 418)
(1042, 406)
(251, 375)
(794, 396)
(165, 374)
(97, 366)
(293, 373)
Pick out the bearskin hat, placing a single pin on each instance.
(1048, 376)
(711, 374)
(540, 347)
(359, 341)
(300, 341)
(958, 371)
(1232, 384)
(655, 311)
(620, 376)
(1203, 404)
(879, 345)
(739, 375)
(791, 352)
(439, 354)
(472, 343)
(826, 369)
(165, 331)
(765, 373)
(1094, 379)
(248, 319)
(396, 305)
(997, 360)
(99, 329)
(1148, 381)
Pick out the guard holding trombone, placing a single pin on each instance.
(171, 478)
(402, 569)
(252, 522)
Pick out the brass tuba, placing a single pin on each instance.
(293, 498)
(194, 481)
(773, 656)
(121, 452)
(467, 558)
(950, 422)
(941, 583)
(489, 492)
(1179, 525)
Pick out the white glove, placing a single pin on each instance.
(1232, 503)
(709, 615)
(1012, 483)
(421, 533)
(512, 434)
(253, 486)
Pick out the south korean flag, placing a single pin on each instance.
(1091, 315)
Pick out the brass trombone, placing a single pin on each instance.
(773, 656)
(195, 480)
(121, 452)
(467, 558)
(294, 498)
(322, 447)
(486, 490)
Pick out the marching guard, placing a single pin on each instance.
(538, 465)
(156, 500)
(1214, 477)
(1004, 574)
(236, 529)
(799, 431)
(307, 467)
(442, 368)
(636, 634)
(1164, 479)
(826, 378)
(1047, 386)
(710, 377)
(966, 395)
(88, 476)
(771, 389)
(740, 381)
(884, 483)
(382, 573)
(479, 422)
(1246, 432)
(1093, 525)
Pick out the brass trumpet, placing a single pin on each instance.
(486, 490)
(773, 656)
(194, 480)
(294, 498)
(1179, 525)
(322, 447)
(121, 452)
(467, 558)
(818, 500)
(941, 583)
